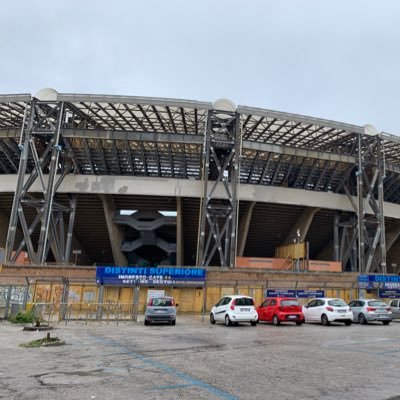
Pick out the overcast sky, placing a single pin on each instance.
(332, 59)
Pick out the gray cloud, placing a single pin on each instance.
(331, 59)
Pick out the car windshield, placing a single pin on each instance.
(244, 301)
(289, 303)
(337, 303)
(377, 304)
(160, 302)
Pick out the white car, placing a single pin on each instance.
(327, 310)
(234, 309)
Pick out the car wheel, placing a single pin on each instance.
(362, 320)
(253, 323)
(146, 322)
(325, 320)
(385, 322)
(347, 323)
(173, 322)
(275, 320)
(212, 319)
(227, 321)
(298, 323)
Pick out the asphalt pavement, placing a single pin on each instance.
(195, 360)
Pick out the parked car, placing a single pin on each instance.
(234, 309)
(160, 309)
(327, 310)
(368, 310)
(395, 306)
(280, 309)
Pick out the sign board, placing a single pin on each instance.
(304, 294)
(389, 294)
(379, 282)
(151, 276)
(280, 293)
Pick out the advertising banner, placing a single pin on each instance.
(379, 282)
(151, 276)
(389, 294)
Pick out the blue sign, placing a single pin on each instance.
(280, 293)
(389, 294)
(150, 276)
(379, 282)
(305, 294)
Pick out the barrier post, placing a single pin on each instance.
(99, 313)
(136, 293)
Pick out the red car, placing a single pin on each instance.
(280, 309)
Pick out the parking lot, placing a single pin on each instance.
(195, 360)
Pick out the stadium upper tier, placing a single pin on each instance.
(155, 137)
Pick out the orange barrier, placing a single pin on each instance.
(325, 266)
(267, 263)
(286, 264)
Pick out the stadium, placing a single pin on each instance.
(259, 199)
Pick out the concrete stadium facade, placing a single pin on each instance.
(240, 182)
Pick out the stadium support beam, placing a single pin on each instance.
(244, 227)
(180, 256)
(371, 228)
(300, 228)
(42, 151)
(360, 239)
(114, 231)
(221, 163)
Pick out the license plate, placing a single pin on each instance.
(382, 316)
(342, 311)
(245, 309)
(159, 311)
(292, 316)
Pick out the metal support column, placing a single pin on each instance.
(219, 204)
(371, 221)
(44, 160)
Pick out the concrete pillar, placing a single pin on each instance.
(4, 221)
(302, 224)
(114, 231)
(180, 255)
(392, 233)
(392, 250)
(244, 226)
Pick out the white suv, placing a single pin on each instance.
(327, 310)
(234, 309)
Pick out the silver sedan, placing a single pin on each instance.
(368, 310)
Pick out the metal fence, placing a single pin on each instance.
(84, 312)
(12, 299)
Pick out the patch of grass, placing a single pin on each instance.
(46, 341)
(22, 317)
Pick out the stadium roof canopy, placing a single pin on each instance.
(123, 135)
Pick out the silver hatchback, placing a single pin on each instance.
(368, 310)
(160, 309)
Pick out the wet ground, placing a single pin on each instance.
(195, 360)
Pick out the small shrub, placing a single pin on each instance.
(23, 317)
